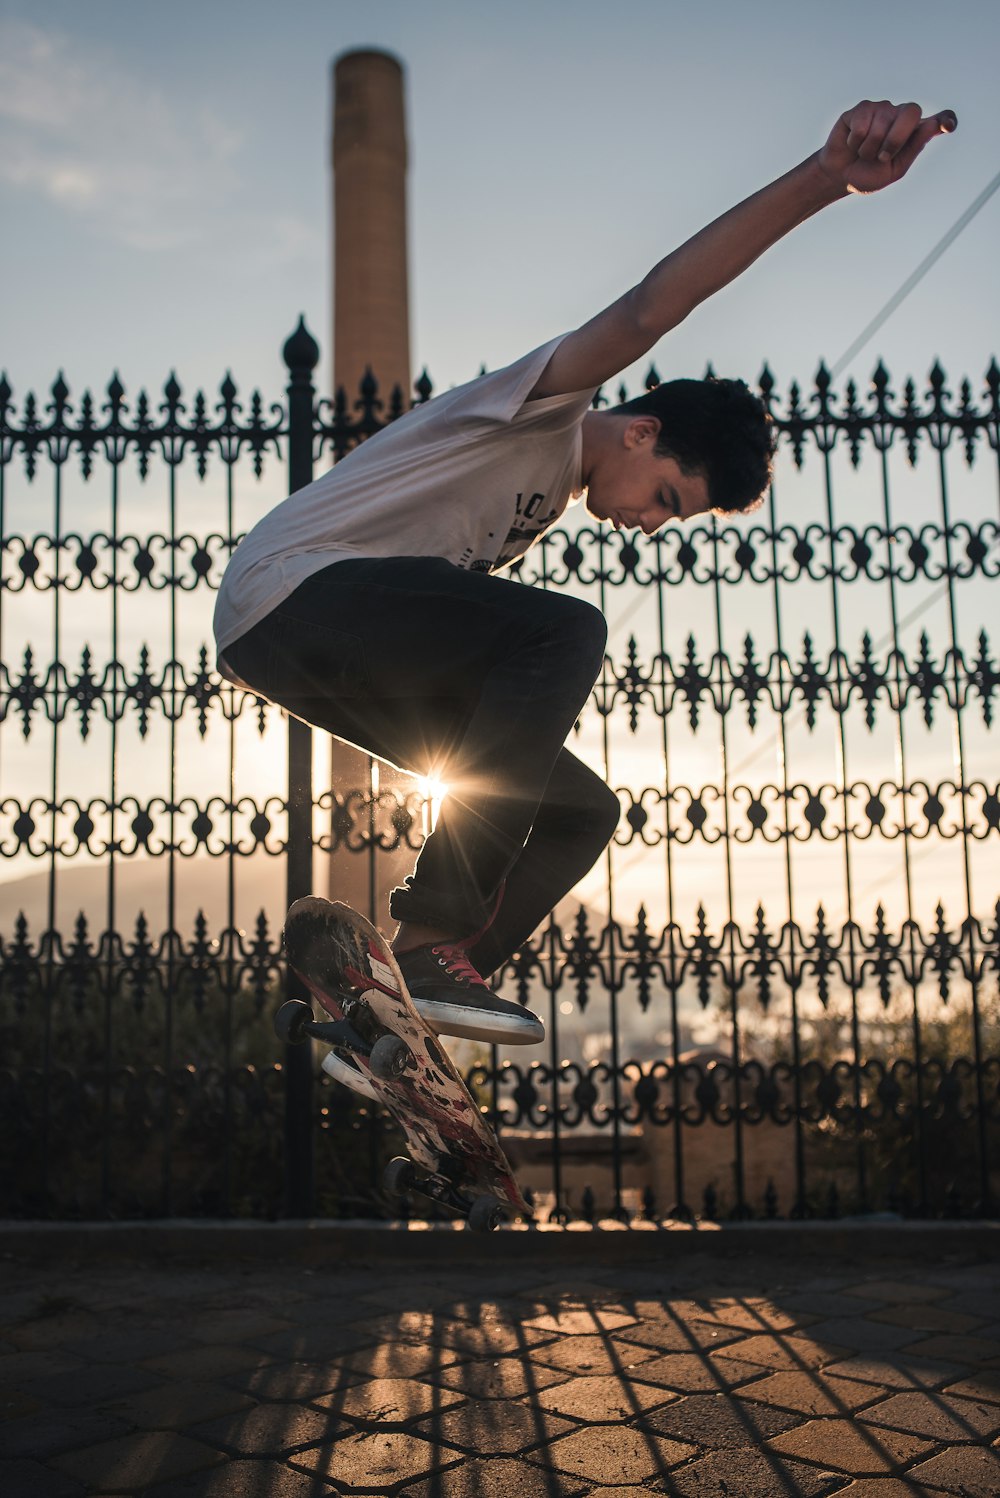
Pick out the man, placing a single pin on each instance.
(368, 605)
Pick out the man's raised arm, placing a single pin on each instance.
(870, 147)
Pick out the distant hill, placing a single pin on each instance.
(200, 885)
(141, 887)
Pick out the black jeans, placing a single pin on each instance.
(474, 680)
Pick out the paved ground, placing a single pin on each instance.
(742, 1372)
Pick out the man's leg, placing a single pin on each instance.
(473, 678)
(572, 827)
(476, 681)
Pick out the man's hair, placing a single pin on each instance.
(715, 427)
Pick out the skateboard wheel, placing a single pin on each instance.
(389, 1058)
(398, 1176)
(486, 1214)
(291, 1020)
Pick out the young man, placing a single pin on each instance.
(368, 605)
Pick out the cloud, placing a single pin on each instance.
(146, 170)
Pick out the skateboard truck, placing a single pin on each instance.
(484, 1214)
(388, 1056)
(294, 1023)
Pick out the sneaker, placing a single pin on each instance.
(454, 1000)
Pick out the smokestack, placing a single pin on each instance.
(371, 327)
(371, 330)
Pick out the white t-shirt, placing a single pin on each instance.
(473, 476)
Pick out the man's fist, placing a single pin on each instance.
(873, 145)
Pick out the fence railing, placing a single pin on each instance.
(777, 995)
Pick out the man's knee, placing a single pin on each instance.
(583, 805)
(577, 629)
(606, 813)
(587, 626)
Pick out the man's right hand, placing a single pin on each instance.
(873, 145)
(870, 147)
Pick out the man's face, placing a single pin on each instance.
(631, 486)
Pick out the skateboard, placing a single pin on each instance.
(382, 1048)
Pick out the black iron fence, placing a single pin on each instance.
(778, 995)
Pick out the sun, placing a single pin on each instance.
(433, 793)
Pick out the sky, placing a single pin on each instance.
(164, 180)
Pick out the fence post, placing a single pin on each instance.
(301, 355)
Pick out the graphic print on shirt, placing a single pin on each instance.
(532, 517)
(481, 564)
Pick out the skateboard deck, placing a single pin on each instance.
(349, 969)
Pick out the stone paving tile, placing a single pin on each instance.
(886, 1487)
(663, 1307)
(420, 1295)
(964, 1349)
(20, 1368)
(972, 1471)
(15, 1406)
(501, 1478)
(55, 1431)
(499, 1378)
(129, 1346)
(897, 1370)
(975, 1303)
(863, 1334)
(677, 1336)
(896, 1292)
(689, 1372)
(271, 1428)
(788, 1352)
(751, 1474)
(398, 1360)
(762, 1314)
(514, 1310)
(366, 1460)
(982, 1385)
(928, 1318)
(962, 1277)
(937, 1416)
(208, 1362)
(92, 1385)
(626, 1456)
(388, 1401)
(592, 1355)
(237, 1325)
(491, 1340)
(501, 1426)
(488, 1280)
(245, 1479)
(846, 1446)
(810, 1393)
(44, 1330)
(131, 1463)
(315, 1344)
(178, 1404)
(25, 1479)
(627, 1492)
(495, 1332)
(602, 1401)
(716, 1420)
(296, 1382)
(575, 1321)
(823, 1304)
